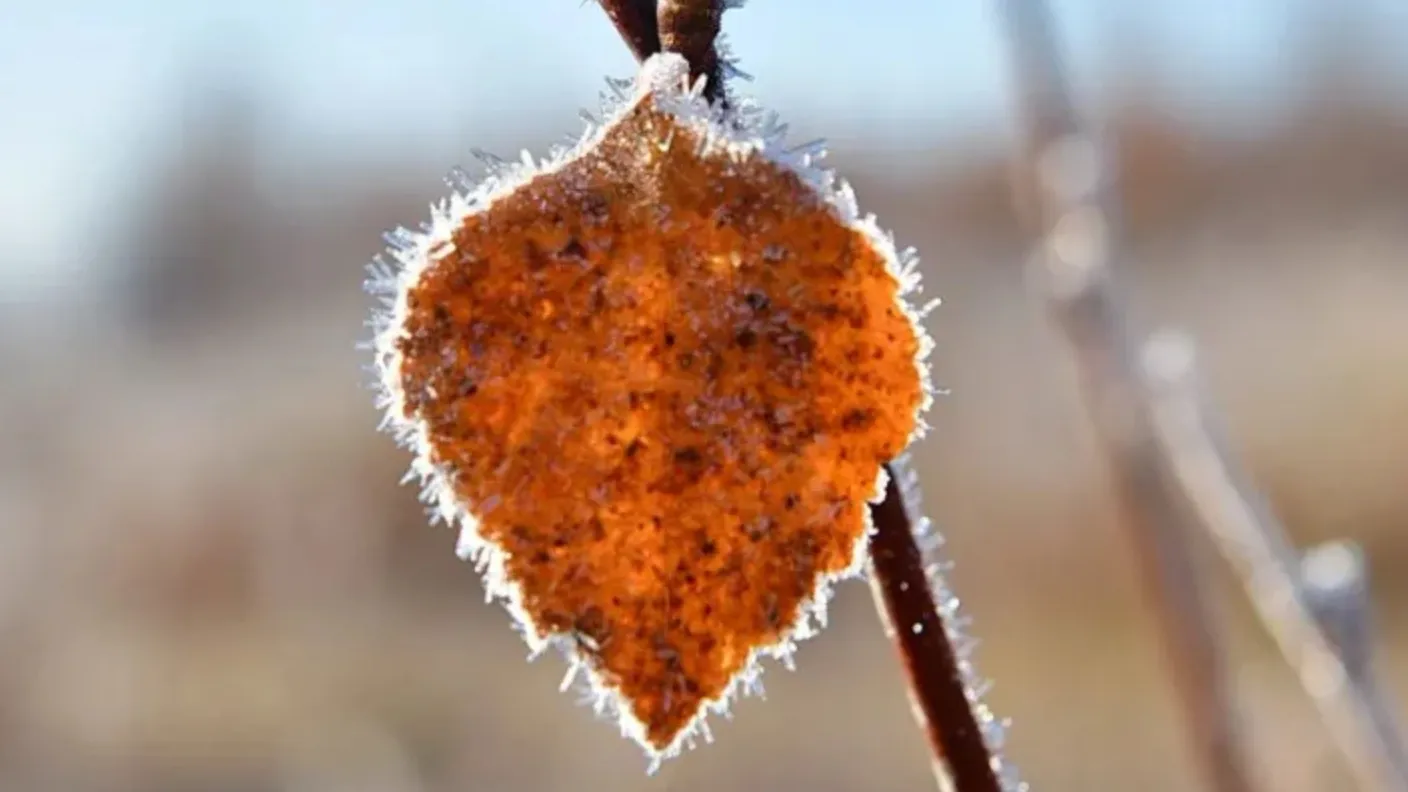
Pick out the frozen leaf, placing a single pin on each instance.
(654, 381)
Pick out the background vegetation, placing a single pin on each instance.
(210, 580)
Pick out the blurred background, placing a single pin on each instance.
(210, 580)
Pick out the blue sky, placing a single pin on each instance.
(84, 84)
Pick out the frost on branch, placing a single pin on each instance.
(653, 381)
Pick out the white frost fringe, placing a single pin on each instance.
(743, 131)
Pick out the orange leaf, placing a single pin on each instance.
(654, 381)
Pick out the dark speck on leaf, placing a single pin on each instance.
(573, 249)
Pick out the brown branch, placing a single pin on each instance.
(941, 688)
(691, 28)
(1067, 203)
(635, 22)
(688, 27)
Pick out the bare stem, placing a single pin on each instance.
(635, 21)
(941, 686)
(690, 28)
(687, 27)
(1330, 651)
(1066, 201)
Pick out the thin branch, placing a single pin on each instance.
(963, 734)
(1066, 200)
(1335, 673)
(688, 27)
(635, 21)
(691, 28)
(1335, 579)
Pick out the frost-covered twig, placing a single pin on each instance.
(1065, 194)
(687, 27)
(691, 28)
(1316, 613)
(947, 696)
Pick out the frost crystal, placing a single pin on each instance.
(653, 380)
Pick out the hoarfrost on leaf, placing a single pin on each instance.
(657, 439)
